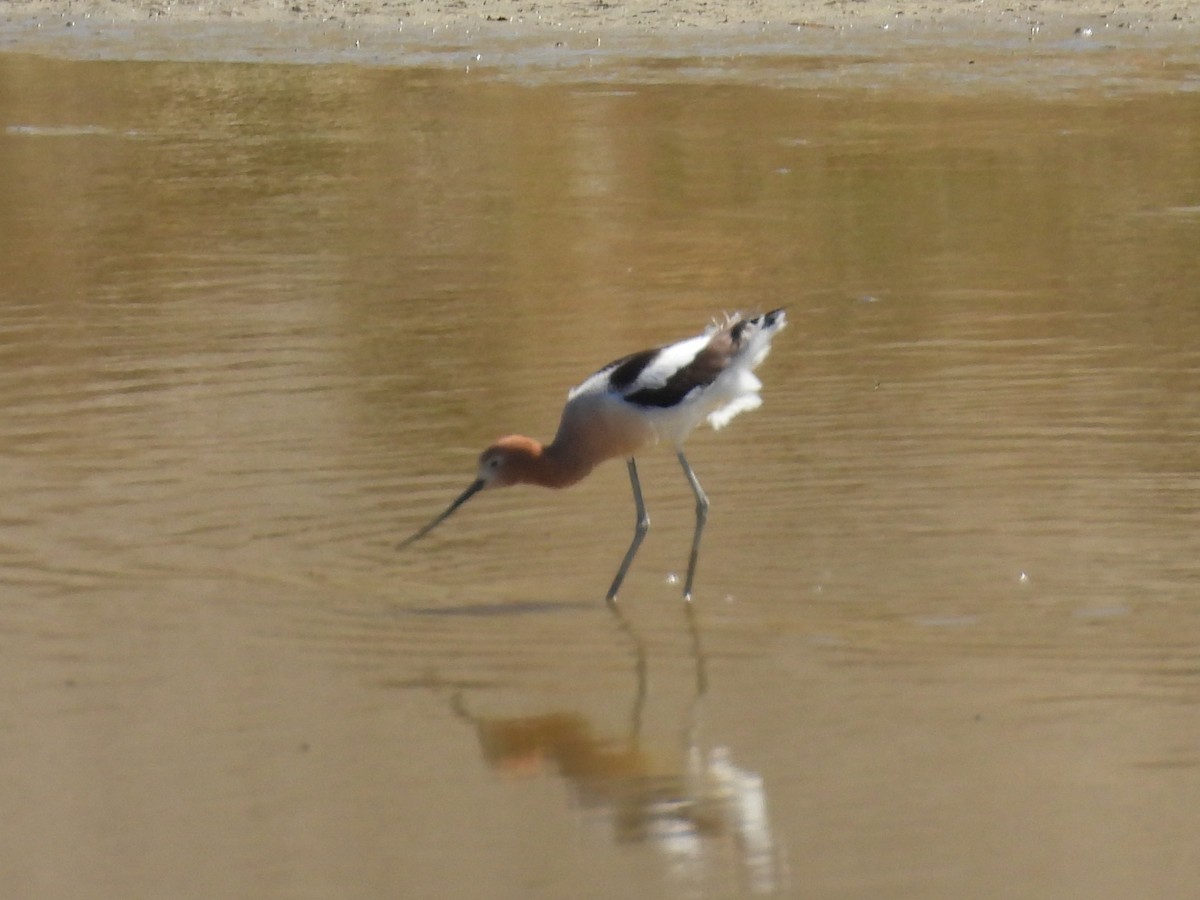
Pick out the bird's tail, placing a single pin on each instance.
(752, 337)
(751, 344)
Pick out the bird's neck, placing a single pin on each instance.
(553, 466)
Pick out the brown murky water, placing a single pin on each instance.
(257, 320)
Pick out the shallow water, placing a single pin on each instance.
(257, 320)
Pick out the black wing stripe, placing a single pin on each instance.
(699, 373)
(625, 371)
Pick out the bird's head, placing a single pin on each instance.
(508, 461)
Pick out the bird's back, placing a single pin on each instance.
(664, 393)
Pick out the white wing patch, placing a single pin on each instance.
(741, 387)
(722, 417)
(667, 362)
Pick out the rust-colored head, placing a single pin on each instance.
(513, 459)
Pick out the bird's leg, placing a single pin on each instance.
(701, 518)
(639, 532)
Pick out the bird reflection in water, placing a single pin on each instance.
(704, 813)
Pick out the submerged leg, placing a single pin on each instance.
(701, 518)
(639, 532)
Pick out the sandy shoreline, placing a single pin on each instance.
(639, 15)
(1042, 47)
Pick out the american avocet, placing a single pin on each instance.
(638, 400)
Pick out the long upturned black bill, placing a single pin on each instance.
(466, 495)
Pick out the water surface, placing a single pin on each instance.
(257, 320)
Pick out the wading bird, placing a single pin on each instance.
(638, 400)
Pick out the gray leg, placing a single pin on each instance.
(639, 532)
(701, 518)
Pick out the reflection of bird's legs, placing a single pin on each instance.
(692, 731)
(640, 671)
(458, 706)
(697, 651)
